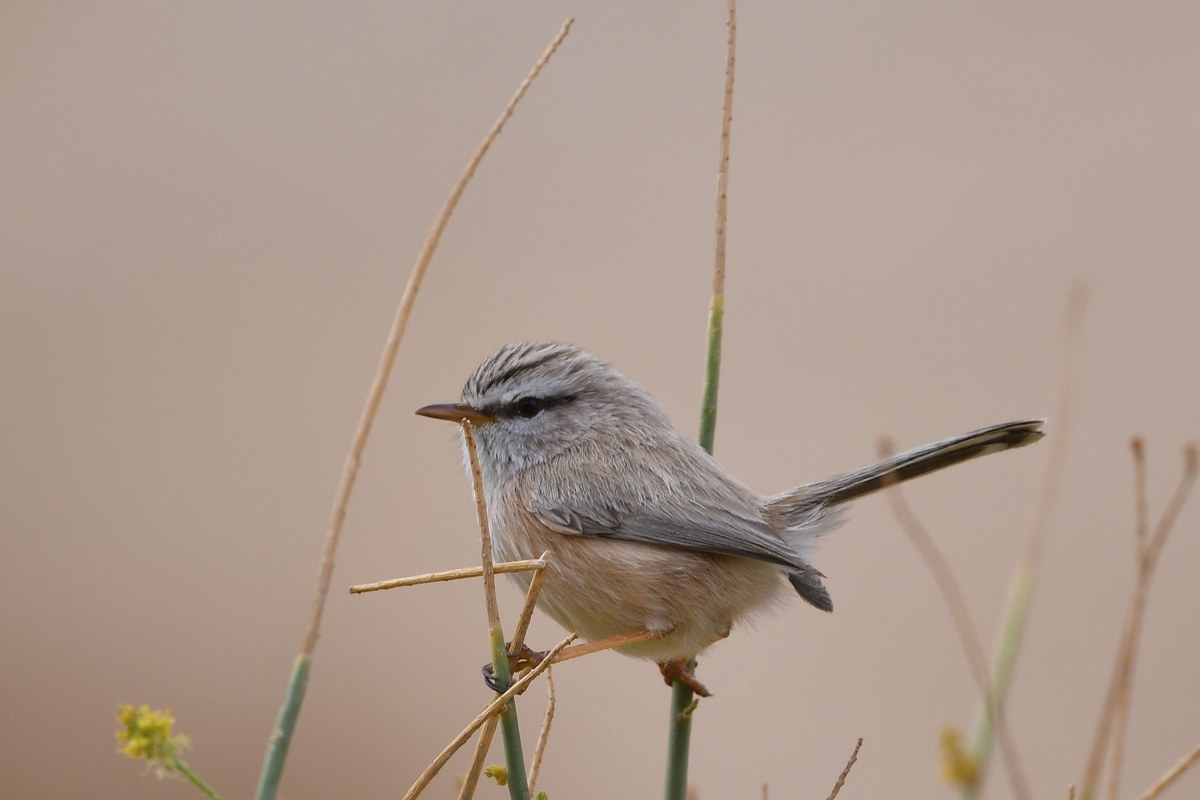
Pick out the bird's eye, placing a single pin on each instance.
(528, 407)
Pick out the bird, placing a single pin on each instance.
(646, 530)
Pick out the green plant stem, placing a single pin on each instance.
(281, 738)
(679, 739)
(1002, 669)
(184, 770)
(518, 786)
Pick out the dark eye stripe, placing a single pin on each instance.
(522, 408)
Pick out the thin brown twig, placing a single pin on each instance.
(485, 531)
(492, 710)
(837, 787)
(608, 643)
(723, 164)
(531, 597)
(968, 635)
(482, 746)
(528, 565)
(1070, 791)
(1169, 777)
(539, 749)
(1127, 650)
(379, 383)
(1064, 418)
(1141, 531)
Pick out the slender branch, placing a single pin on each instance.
(510, 729)
(489, 728)
(679, 732)
(528, 565)
(531, 597)
(1121, 710)
(837, 787)
(276, 756)
(186, 772)
(1127, 651)
(477, 760)
(956, 602)
(608, 643)
(544, 736)
(1170, 776)
(492, 709)
(1024, 578)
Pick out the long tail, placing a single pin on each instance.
(810, 507)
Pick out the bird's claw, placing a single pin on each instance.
(676, 669)
(526, 658)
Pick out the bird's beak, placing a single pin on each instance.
(455, 412)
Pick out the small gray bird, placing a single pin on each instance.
(646, 530)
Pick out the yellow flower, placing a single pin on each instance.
(500, 774)
(959, 768)
(147, 734)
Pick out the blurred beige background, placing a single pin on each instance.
(208, 211)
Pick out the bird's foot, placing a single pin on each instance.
(525, 658)
(676, 669)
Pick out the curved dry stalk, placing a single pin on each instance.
(1118, 686)
(527, 565)
(544, 736)
(272, 771)
(1024, 578)
(1171, 774)
(492, 710)
(837, 787)
(956, 602)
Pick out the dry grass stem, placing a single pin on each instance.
(1121, 710)
(1063, 419)
(723, 165)
(1116, 700)
(492, 710)
(608, 643)
(837, 787)
(539, 749)
(485, 532)
(379, 382)
(503, 567)
(531, 596)
(1070, 791)
(1171, 774)
(482, 746)
(957, 604)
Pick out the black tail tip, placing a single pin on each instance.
(810, 587)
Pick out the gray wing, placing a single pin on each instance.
(682, 499)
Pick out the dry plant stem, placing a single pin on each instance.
(1171, 774)
(967, 634)
(489, 728)
(680, 721)
(492, 709)
(608, 643)
(1121, 710)
(503, 567)
(837, 787)
(510, 729)
(486, 734)
(272, 771)
(1024, 577)
(1127, 651)
(544, 736)
(531, 596)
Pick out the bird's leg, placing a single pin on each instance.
(528, 658)
(674, 669)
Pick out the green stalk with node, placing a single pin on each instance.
(682, 701)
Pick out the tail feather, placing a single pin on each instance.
(806, 505)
